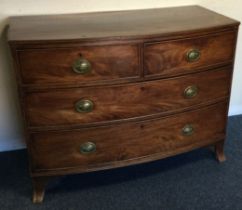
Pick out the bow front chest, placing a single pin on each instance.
(111, 89)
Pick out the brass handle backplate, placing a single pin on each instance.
(191, 91)
(187, 130)
(88, 147)
(193, 55)
(84, 106)
(81, 66)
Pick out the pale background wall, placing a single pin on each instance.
(10, 123)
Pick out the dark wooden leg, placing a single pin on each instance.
(219, 151)
(39, 184)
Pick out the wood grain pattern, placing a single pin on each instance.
(54, 66)
(117, 24)
(120, 102)
(169, 58)
(139, 140)
(137, 85)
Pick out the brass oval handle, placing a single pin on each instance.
(84, 106)
(193, 55)
(88, 147)
(187, 130)
(191, 91)
(81, 66)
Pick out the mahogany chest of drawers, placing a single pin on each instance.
(111, 89)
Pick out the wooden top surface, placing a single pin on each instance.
(132, 24)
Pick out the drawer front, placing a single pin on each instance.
(101, 104)
(103, 146)
(188, 55)
(82, 65)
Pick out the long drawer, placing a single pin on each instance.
(107, 146)
(82, 106)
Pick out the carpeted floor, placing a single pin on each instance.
(192, 181)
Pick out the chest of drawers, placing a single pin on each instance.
(105, 90)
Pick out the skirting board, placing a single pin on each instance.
(11, 144)
(235, 110)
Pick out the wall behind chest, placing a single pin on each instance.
(11, 136)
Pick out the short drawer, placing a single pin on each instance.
(78, 65)
(123, 144)
(188, 55)
(80, 106)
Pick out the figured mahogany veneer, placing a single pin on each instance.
(108, 63)
(169, 58)
(105, 90)
(151, 137)
(134, 100)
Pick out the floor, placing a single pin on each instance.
(191, 181)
